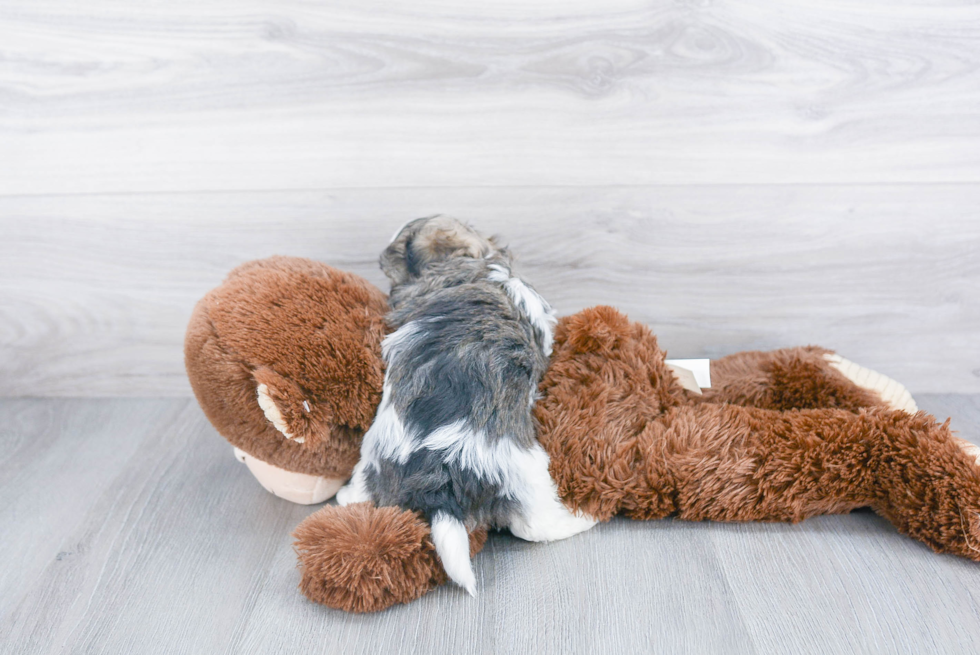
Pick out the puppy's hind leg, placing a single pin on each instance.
(356, 490)
(542, 516)
(386, 434)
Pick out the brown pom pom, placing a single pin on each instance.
(362, 558)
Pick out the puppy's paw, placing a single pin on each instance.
(895, 395)
(272, 413)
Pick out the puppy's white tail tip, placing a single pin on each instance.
(453, 546)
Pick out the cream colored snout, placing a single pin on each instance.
(295, 487)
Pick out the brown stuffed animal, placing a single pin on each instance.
(284, 358)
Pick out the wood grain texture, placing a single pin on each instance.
(832, 584)
(95, 291)
(110, 96)
(135, 530)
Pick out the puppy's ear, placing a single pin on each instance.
(399, 262)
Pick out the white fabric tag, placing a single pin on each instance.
(701, 368)
(686, 378)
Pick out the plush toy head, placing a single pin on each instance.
(307, 337)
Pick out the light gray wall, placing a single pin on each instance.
(738, 175)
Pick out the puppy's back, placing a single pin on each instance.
(461, 377)
(454, 434)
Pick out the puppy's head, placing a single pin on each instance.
(426, 241)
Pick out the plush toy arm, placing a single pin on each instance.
(362, 558)
(729, 463)
(802, 378)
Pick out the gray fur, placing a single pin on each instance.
(465, 359)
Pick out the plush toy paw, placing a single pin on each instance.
(894, 394)
(362, 558)
(969, 505)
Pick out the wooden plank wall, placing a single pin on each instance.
(737, 174)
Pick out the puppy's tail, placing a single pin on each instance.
(453, 546)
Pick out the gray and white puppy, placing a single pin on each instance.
(454, 437)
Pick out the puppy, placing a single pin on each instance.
(454, 436)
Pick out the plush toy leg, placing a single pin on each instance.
(728, 463)
(733, 463)
(929, 485)
(362, 558)
(623, 439)
(802, 378)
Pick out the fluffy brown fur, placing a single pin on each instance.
(780, 436)
(621, 439)
(791, 378)
(362, 558)
(311, 333)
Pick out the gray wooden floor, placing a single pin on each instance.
(128, 527)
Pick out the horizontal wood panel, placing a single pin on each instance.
(109, 96)
(95, 291)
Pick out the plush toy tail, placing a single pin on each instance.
(453, 546)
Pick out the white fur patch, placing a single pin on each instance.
(530, 301)
(544, 516)
(398, 339)
(498, 273)
(453, 546)
(387, 436)
(522, 475)
(536, 308)
(467, 449)
(355, 491)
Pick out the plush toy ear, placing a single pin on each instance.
(362, 558)
(286, 407)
